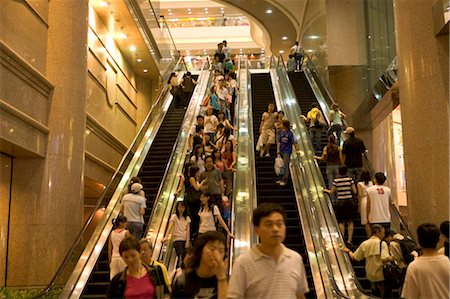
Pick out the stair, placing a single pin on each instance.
(151, 174)
(267, 189)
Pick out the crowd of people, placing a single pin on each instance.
(199, 229)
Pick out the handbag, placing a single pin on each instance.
(393, 274)
(279, 166)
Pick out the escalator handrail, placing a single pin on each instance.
(79, 237)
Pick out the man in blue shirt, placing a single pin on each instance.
(286, 140)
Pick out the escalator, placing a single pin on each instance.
(151, 173)
(305, 97)
(267, 189)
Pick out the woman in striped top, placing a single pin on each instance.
(344, 187)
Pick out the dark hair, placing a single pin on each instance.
(188, 74)
(203, 239)
(334, 106)
(365, 177)
(176, 209)
(209, 157)
(195, 151)
(343, 170)
(332, 146)
(286, 124)
(220, 126)
(428, 235)
(118, 220)
(133, 180)
(171, 75)
(380, 178)
(389, 233)
(291, 56)
(193, 170)
(281, 112)
(198, 128)
(232, 145)
(214, 157)
(266, 209)
(376, 228)
(129, 243)
(145, 241)
(314, 105)
(212, 89)
(444, 228)
(220, 112)
(210, 202)
(200, 117)
(217, 54)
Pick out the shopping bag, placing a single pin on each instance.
(279, 166)
(259, 144)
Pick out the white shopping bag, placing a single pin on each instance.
(279, 166)
(259, 144)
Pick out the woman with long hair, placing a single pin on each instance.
(180, 223)
(226, 123)
(365, 181)
(210, 216)
(175, 89)
(116, 263)
(192, 197)
(332, 155)
(218, 162)
(229, 161)
(198, 158)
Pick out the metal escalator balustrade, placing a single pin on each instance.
(267, 189)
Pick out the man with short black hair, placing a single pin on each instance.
(376, 252)
(215, 184)
(353, 149)
(200, 122)
(429, 275)
(254, 271)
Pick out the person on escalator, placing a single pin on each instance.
(269, 269)
(116, 263)
(133, 208)
(291, 63)
(345, 189)
(175, 89)
(364, 183)
(192, 197)
(336, 117)
(188, 84)
(285, 142)
(266, 130)
(316, 122)
(353, 151)
(378, 202)
(200, 122)
(137, 280)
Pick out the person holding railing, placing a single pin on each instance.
(336, 117)
(116, 263)
(133, 208)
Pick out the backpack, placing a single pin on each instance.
(407, 246)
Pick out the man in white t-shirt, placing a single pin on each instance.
(133, 207)
(429, 275)
(269, 269)
(378, 202)
(211, 123)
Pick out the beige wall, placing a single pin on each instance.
(423, 63)
(116, 105)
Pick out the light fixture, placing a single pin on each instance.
(281, 51)
(170, 13)
(122, 35)
(145, 70)
(189, 9)
(206, 12)
(206, 8)
(169, 10)
(284, 38)
(132, 48)
(268, 11)
(189, 12)
(139, 60)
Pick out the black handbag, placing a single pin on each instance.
(393, 274)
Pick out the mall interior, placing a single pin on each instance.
(85, 106)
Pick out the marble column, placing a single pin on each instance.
(423, 72)
(47, 194)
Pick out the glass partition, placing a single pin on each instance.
(321, 229)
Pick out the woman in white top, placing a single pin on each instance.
(209, 214)
(364, 183)
(180, 223)
(116, 263)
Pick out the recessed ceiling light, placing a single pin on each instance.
(170, 13)
(269, 11)
(139, 60)
(169, 9)
(190, 12)
(206, 12)
(284, 38)
(189, 9)
(145, 70)
(206, 8)
(132, 48)
(281, 51)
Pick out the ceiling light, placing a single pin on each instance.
(281, 51)
(170, 13)
(139, 60)
(145, 70)
(206, 8)
(132, 48)
(284, 38)
(169, 9)
(122, 35)
(206, 12)
(190, 12)
(189, 9)
(269, 11)
(313, 37)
